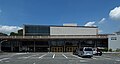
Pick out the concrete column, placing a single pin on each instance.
(49, 46)
(11, 46)
(64, 47)
(19, 46)
(34, 46)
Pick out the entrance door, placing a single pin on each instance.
(70, 49)
(57, 49)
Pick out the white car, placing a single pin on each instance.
(96, 51)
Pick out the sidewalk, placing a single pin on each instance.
(111, 52)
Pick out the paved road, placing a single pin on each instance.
(56, 58)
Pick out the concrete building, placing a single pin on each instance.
(114, 41)
(44, 38)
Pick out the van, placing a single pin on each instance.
(85, 52)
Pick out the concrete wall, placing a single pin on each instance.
(73, 31)
(114, 42)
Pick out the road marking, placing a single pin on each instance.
(94, 58)
(53, 56)
(20, 53)
(32, 56)
(4, 59)
(27, 56)
(34, 63)
(64, 56)
(117, 60)
(77, 56)
(108, 58)
(42, 56)
(83, 61)
(7, 61)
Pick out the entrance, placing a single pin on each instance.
(56, 49)
(70, 49)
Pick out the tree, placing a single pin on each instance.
(3, 34)
(13, 34)
(20, 32)
(110, 50)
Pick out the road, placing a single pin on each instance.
(56, 58)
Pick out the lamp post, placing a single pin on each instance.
(1, 43)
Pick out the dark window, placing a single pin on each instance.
(37, 30)
(113, 38)
(88, 49)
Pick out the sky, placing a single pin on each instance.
(105, 14)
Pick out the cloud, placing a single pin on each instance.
(115, 13)
(102, 20)
(7, 29)
(90, 24)
(100, 31)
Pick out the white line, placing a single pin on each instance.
(64, 56)
(42, 56)
(53, 56)
(7, 61)
(34, 63)
(4, 59)
(108, 58)
(77, 56)
(94, 58)
(83, 61)
(30, 56)
(117, 60)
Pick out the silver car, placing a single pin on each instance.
(85, 52)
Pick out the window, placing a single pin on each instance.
(37, 30)
(113, 38)
(88, 49)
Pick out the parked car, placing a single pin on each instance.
(97, 51)
(85, 52)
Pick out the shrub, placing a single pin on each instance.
(117, 50)
(110, 50)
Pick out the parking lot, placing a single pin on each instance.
(56, 58)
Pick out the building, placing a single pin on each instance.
(44, 38)
(114, 41)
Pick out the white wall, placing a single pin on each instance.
(73, 31)
(114, 44)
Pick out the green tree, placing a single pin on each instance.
(110, 50)
(13, 34)
(3, 34)
(20, 32)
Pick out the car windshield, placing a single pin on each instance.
(88, 49)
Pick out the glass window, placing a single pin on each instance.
(88, 49)
(37, 30)
(113, 38)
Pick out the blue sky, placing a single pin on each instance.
(15, 13)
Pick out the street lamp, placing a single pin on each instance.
(1, 43)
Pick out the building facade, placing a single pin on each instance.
(114, 41)
(43, 38)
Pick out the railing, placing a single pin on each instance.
(53, 37)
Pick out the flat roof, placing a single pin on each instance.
(61, 26)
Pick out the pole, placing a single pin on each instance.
(34, 46)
